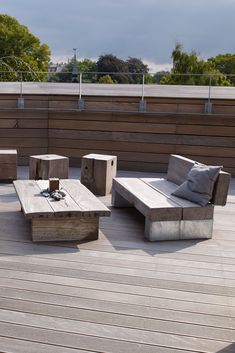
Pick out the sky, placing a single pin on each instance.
(145, 29)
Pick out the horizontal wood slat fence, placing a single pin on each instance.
(113, 125)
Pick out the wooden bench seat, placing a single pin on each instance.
(168, 217)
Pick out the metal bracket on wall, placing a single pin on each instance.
(81, 104)
(208, 107)
(20, 103)
(142, 105)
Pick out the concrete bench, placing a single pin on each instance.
(168, 217)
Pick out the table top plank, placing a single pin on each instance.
(32, 202)
(84, 198)
(64, 207)
(79, 201)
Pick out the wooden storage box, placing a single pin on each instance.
(97, 172)
(8, 164)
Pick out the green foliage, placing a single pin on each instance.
(148, 79)
(87, 67)
(131, 70)
(136, 66)
(158, 76)
(20, 50)
(225, 63)
(188, 69)
(111, 64)
(106, 79)
(113, 69)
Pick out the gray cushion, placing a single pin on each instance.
(199, 184)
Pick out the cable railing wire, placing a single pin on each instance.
(55, 78)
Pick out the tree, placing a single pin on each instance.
(190, 70)
(158, 76)
(136, 66)
(225, 63)
(20, 50)
(148, 78)
(106, 79)
(87, 67)
(116, 68)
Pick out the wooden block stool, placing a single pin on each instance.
(8, 164)
(48, 166)
(97, 172)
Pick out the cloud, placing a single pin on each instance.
(145, 29)
(153, 67)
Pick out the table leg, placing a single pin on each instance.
(63, 229)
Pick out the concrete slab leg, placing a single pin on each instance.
(198, 229)
(119, 201)
(162, 230)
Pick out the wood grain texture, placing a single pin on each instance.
(48, 166)
(78, 200)
(113, 125)
(66, 228)
(75, 217)
(119, 293)
(97, 172)
(153, 205)
(8, 164)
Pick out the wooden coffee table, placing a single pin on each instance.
(76, 217)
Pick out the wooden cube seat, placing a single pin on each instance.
(48, 166)
(97, 172)
(8, 164)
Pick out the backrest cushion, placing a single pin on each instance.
(199, 184)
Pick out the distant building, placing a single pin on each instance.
(56, 67)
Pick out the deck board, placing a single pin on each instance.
(119, 294)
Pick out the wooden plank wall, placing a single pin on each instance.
(24, 130)
(140, 141)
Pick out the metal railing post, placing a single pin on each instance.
(21, 98)
(142, 104)
(208, 105)
(80, 86)
(81, 103)
(143, 79)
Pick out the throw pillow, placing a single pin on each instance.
(199, 184)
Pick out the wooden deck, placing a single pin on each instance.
(119, 294)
